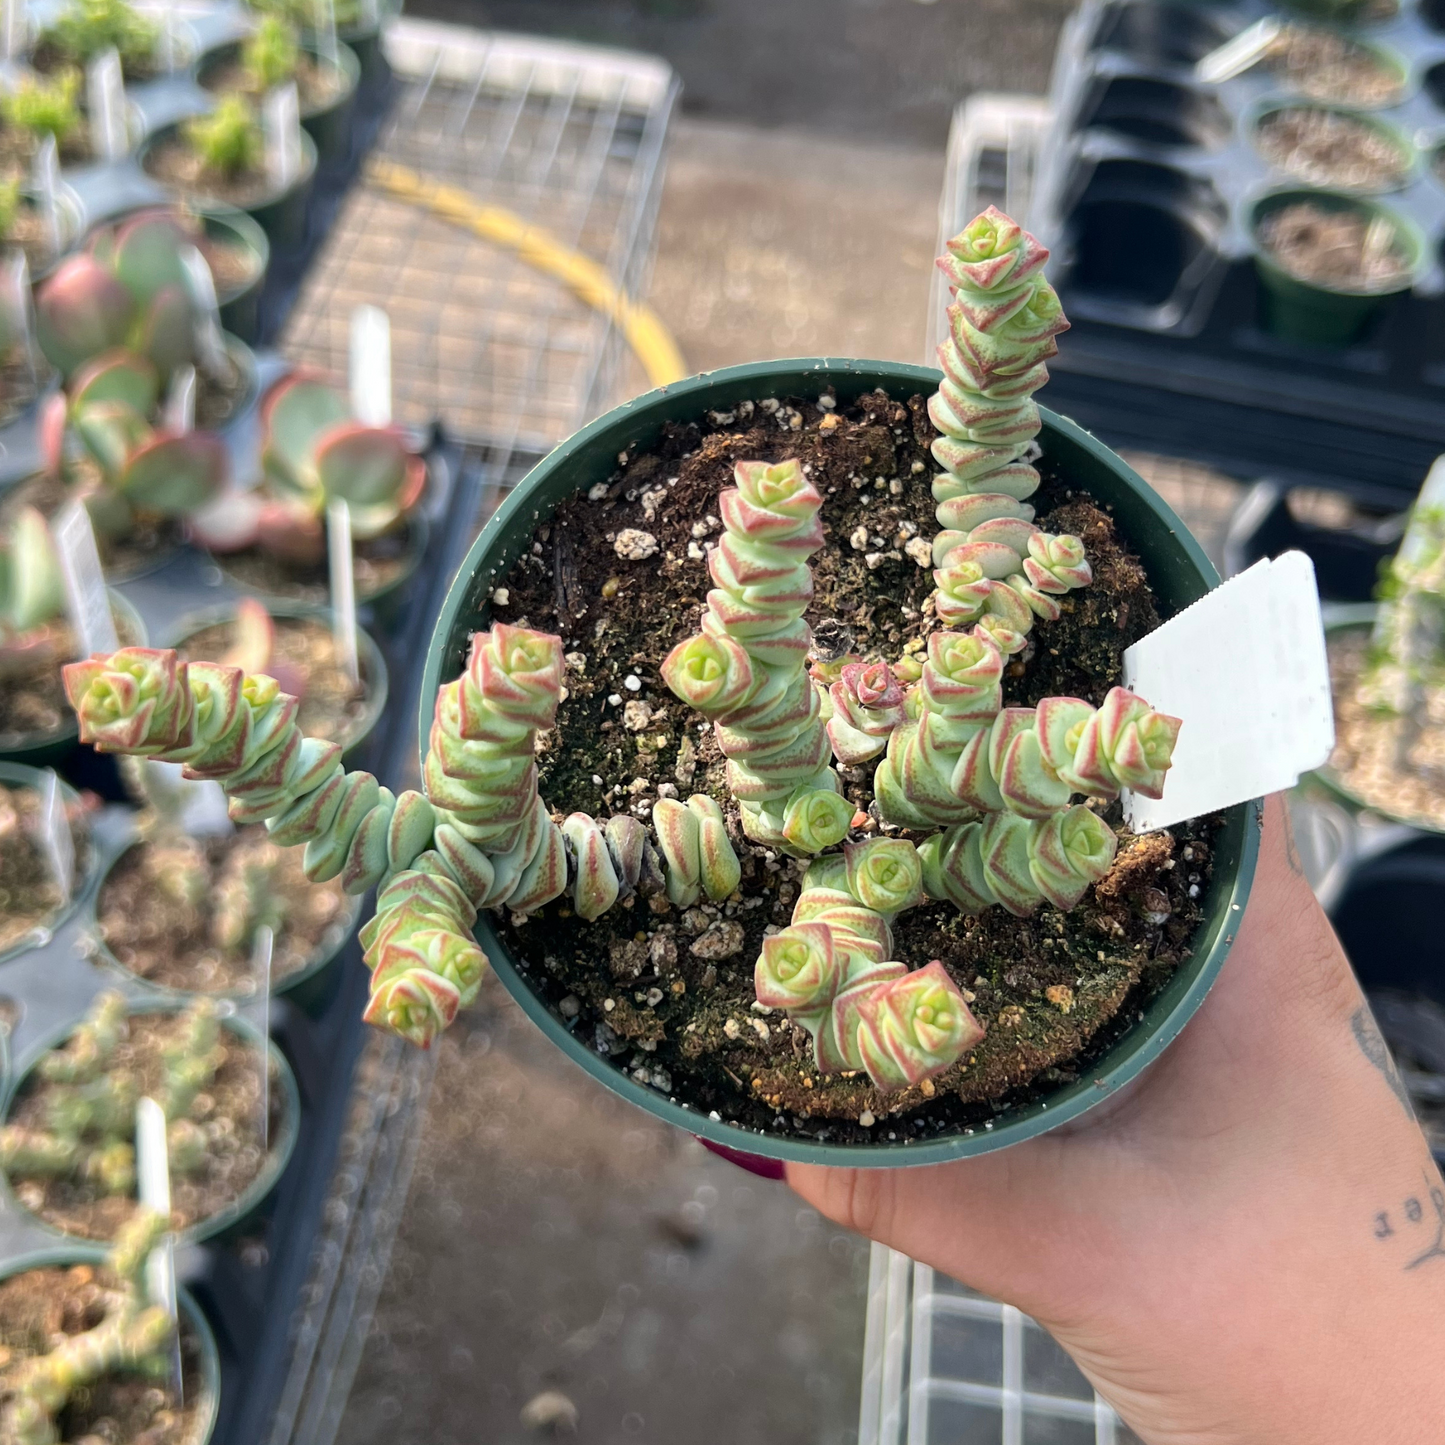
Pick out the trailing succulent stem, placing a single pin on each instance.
(747, 670)
(994, 567)
(131, 1338)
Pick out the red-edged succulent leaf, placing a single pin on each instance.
(296, 413)
(175, 474)
(367, 467)
(147, 254)
(81, 311)
(117, 375)
(54, 415)
(112, 432)
(168, 328)
(291, 532)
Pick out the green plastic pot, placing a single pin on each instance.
(1179, 573)
(1404, 148)
(40, 751)
(329, 125)
(282, 215)
(239, 304)
(18, 775)
(62, 1257)
(372, 663)
(250, 1205)
(1318, 315)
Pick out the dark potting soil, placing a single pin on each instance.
(317, 86)
(32, 235)
(120, 1409)
(228, 1112)
(150, 540)
(1329, 148)
(164, 932)
(29, 894)
(175, 164)
(377, 564)
(1343, 250)
(1325, 65)
(668, 994)
(305, 662)
(32, 698)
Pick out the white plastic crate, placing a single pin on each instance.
(943, 1365)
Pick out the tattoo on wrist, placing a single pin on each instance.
(1419, 1221)
(1377, 1051)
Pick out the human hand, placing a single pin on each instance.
(1246, 1244)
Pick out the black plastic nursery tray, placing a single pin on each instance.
(250, 1286)
(1149, 187)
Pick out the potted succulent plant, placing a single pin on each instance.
(358, 25)
(36, 638)
(67, 1145)
(32, 901)
(38, 107)
(221, 158)
(271, 56)
(1327, 263)
(1333, 146)
(1388, 672)
(87, 1345)
(864, 916)
(273, 540)
(119, 320)
(85, 29)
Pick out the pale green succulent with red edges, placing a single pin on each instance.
(32, 596)
(865, 704)
(747, 671)
(994, 566)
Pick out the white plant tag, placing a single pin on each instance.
(45, 178)
(85, 594)
(180, 408)
(56, 837)
(371, 365)
(343, 587)
(12, 28)
(1245, 669)
(368, 14)
(105, 99)
(1236, 56)
(15, 298)
(281, 121)
(198, 805)
(168, 35)
(324, 22)
(258, 1006)
(210, 339)
(153, 1179)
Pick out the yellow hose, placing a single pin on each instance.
(641, 325)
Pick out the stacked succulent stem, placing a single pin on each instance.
(747, 670)
(993, 566)
(130, 1337)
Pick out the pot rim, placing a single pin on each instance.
(1165, 1015)
(273, 196)
(280, 1146)
(346, 63)
(92, 1252)
(31, 743)
(24, 775)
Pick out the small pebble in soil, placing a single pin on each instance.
(635, 545)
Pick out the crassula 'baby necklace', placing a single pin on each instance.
(992, 787)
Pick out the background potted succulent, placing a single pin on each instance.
(85, 29)
(891, 1002)
(36, 639)
(1329, 262)
(112, 1337)
(272, 55)
(358, 25)
(41, 106)
(67, 1147)
(272, 540)
(221, 157)
(30, 897)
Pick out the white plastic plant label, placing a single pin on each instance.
(343, 587)
(258, 1007)
(1245, 669)
(199, 804)
(323, 20)
(180, 409)
(45, 178)
(370, 357)
(12, 28)
(85, 594)
(210, 340)
(105, 99)
(19, 312)
(1236, 56)
(281, 123)
(56, 839)
(153, 1184)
